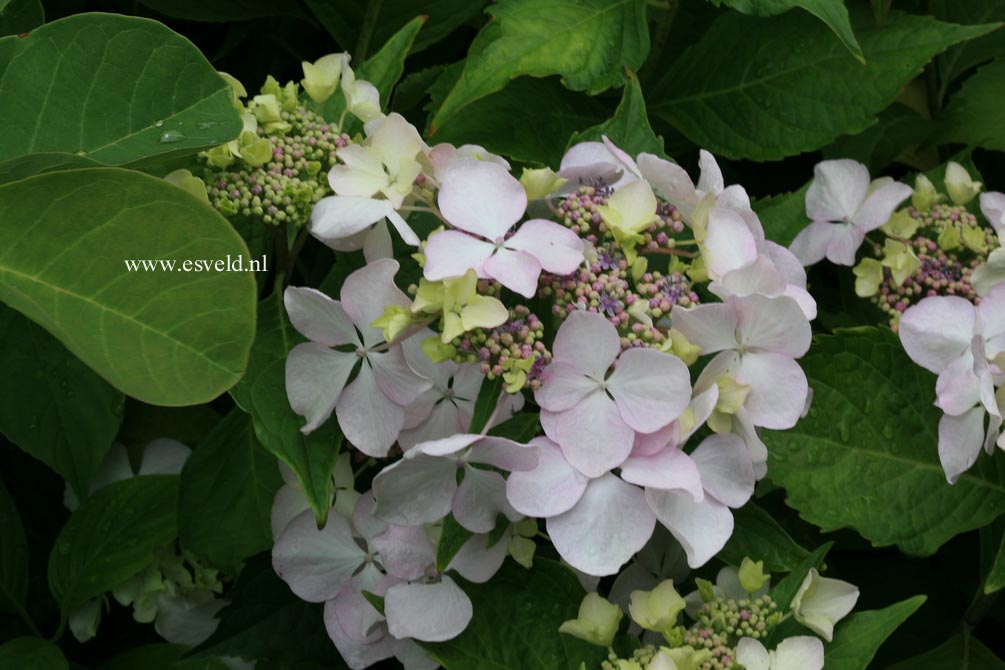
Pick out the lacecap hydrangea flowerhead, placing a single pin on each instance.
(579, 354)
(936, 268)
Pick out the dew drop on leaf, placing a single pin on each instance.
(170, 137)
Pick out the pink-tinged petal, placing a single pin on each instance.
(377, 243)
(669, 470)
(727, 473)
(550, 489)
(163, 456)
(993, 208)
(622, 157)
(775, 324)
(316, 563)
(786, 263)
(647, 444)
(802, 651)
(729, 244)
(556, 248)
(480, 498)
(991, 316)
(451, 253)
(318, 317)
(444, 419)
(760, 276)
(405, 551)
(937, 331)
(735, 198)
(804, 299)
(504, 454)
(368, 418)
(588, 342)
(476, 561)
(606, 527)
(837, 191)
(811, 244)
(563, 387)
(703, 404)
(365, 294)
(593, 436)
(482, 198)
(711, 180)
(394, 378)
(315, 380)
(288, 503)
(670, 181)
(778, 389)
(359, 620)
(711, 327)
(447, 446)
(958, 388)
(414, 491)
(427, 612)
(880, 205)
(650, 388)
(587, 161)
(549, 424)
(960, 441)
(702, 528)
(844, 244)
(364, 519)
(516, 270)
(338, 218)
(412, 656)
(357, 655)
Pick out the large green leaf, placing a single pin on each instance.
(160, 657)
(226, 495)
(23, 167)
(266, 622)
(766, 90)
(262, 393)
(831, 12)
(588, 42)
(960, 651)
(756, 535)
(629, 127)
(114, 535)
(224, 10)
(170, 338)
(32, 653)
(900, 129)
(961, 58)
(858, 638)
(506, 124)
(515, 626)
(13, 556)
(995, 580)
(969, 118)
(53, 406)
(20, 16)
(865, 456)
(118, 89)
(347, 19)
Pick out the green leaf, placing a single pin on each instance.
(506, 124)
(143, 423)
(959, 59)
(265, 621)
(224, 10)
(159, 657)
(385, 67)
(968, 119)
(32, 652)
(13, 556)
(832, 12)
(118, 89)
(53, 406)
(866, 454)
(960, 651)
(33, 164)
(785, 590)
(899, 130)
(262, 393)
(996, 576)
(521, 427)
(115, 534)
(227, 487)
(20, 16)
(515, 626)
(766, 90)
(629, 127)
(783, 216)
(588, 42)
(756, 535)
(170, 338)
(486, 403)
(858, 638)
(452, 538)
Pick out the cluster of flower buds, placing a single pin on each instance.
(938, 271)
(730, 618)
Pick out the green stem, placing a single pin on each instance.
(366, 31)
(23, 613)
(282, 253)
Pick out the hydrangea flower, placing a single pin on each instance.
(795, 653)
(843, 206)
(483, 201)
(370, 408)
(821, 602)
